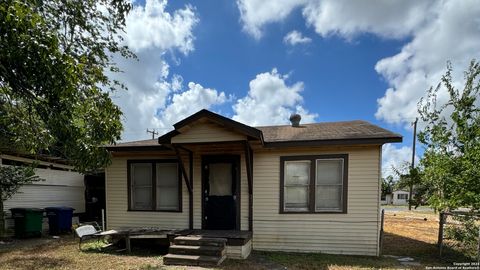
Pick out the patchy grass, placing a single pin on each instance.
(328, 261)
(406, 234)
(64, 254)
(415, 234)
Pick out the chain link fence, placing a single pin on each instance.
(459, 232)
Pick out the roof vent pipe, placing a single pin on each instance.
(295, 119)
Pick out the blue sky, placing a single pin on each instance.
(350, 60)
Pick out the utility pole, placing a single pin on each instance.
(153, 133)
(410, 192)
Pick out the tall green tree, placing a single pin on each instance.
(387, 185)
(55, 56)
(451, 160)
(412, 177)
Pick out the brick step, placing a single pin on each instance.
(197, 250)
(199, 241)
(176, 259)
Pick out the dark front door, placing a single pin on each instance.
(220, 178)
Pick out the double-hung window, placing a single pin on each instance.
(154, 185)
(314, 184)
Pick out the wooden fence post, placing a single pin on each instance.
(381, 232)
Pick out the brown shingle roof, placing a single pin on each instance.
(348, 130)
(151, 144)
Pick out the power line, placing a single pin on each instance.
(153, 133)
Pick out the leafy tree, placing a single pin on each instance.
(412, 177)
(11, 179)
(387, 185)
(55, 56)
(451, 160)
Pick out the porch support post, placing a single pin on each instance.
(249, 164)
(190, 198)
(188, 180)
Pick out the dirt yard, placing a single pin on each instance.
(415, 234)
(406, 234)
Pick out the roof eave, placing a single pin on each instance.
(356, 141)
(166, 139)
(143, 148)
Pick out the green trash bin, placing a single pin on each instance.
(28, 222)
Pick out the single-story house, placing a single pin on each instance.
(300, 187)
(400, 197)
(62, 186)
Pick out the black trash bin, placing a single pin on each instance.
(28, 221)
(59, 219)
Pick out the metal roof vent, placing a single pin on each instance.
(295, 119)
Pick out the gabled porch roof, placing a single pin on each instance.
(250, 132)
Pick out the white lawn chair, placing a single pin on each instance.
(86, 232)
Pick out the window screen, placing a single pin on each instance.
(297, 181)
(329, 184)
(220, 179)
(167, 186)
(154, 185)
(314, 183)
(141, 181)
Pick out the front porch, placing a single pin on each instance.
(192, 247)
(207, 247)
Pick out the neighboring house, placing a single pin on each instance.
(62, 185)
(303, 188)
(400, 197)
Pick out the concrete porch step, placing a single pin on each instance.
(200, 260)
(199, 241)
(197, 250)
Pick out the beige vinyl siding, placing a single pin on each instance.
(355, 232)
(207, 132)
(117, 200)
(59, 188)
(117, 194)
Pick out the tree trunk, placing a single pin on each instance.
(2, 218)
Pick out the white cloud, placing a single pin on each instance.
(183, 104)
(452, 34)
(271, 101)
(158, 99)
(159, 102)
(438, 31)
(342, 17)
(151, 32)
(294, 37)
(393, 156)
(391, 19)
(256, 13)
(151, 26)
